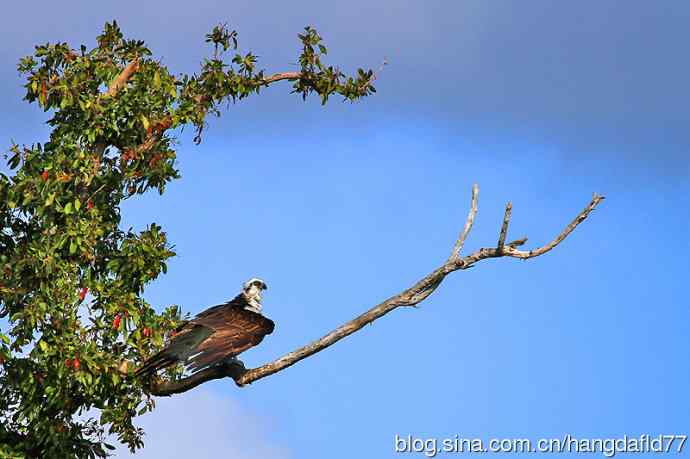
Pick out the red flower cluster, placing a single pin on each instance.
(74, 363)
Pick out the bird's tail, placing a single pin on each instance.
(159, 361)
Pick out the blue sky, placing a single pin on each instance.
(339, 207)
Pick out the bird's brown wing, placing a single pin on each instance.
(187, 338)
(235, 330)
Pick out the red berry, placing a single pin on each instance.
(82, 293)
(68, 363)
(44, 175)
(146, 332)
(75, 363)
(89, 204)
(116, 322)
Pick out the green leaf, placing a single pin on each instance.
(50, 199)
(15, 160)
(68, 208)
(77, 204)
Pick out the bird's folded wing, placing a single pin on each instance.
(235, 330)
(181, 346)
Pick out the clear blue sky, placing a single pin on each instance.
(541, 103)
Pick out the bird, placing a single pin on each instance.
(217, 334)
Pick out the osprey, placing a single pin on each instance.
(217, 334)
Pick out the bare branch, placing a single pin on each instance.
(297, 75)
(167, 388)
(468, 224)
(380, 69)
(410, 297)
(504, 226)
(282, 76)
(596, 199)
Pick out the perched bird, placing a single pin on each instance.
(217, 334)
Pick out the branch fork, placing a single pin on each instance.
(409, 297)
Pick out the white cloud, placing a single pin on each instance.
(202, 424)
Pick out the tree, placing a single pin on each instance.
(72, 280)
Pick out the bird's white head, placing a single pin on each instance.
(252, 290)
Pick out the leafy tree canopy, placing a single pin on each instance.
(76, 323)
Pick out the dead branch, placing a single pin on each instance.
(468, 224)
(409, 297)
(504, 227)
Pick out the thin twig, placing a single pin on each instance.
(380, 69)
(504, 226)
(596, 199)
(468, 224)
